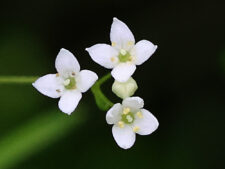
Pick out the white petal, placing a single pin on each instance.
(114, 114)
(120, 35)
(123, 71)
(134, 102)
(49, 85)
(103, 54)
(147, 124)
(124, 137)
(69, 101)
(66, 63)
(143, 50)
(85, 80)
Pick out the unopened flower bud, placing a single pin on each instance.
(124, 89)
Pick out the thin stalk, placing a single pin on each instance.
(17, 79)
(101, 100)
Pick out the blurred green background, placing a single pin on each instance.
(182, 84)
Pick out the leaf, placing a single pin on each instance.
(37, 134)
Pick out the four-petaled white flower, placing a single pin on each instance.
(68, 83)
(128, 119)
(123, 55)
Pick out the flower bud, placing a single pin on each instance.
(124, 89)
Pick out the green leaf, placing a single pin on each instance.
(36, 135)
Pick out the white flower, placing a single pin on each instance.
(124, 89)
(128, 119)
(68, 83)
(123, 55)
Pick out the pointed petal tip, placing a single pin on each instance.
(33, 84)
(148, 124)
(96, 76)
(62, 49)
(157, 123)
(124, 137)
(67, 113)
(66, 62)
(102, 53)
(115, 19)
(125, 148)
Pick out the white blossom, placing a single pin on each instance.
(68, 83)
(128, 119)
(123, 54)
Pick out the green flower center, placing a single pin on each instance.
(124, 56)
(70, 83)
(128, 118)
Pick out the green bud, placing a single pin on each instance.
(125, 89)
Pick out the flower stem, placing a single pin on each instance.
(17, 79)
(101, 100)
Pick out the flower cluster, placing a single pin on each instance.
(122, 56)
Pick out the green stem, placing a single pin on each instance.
(101, 100)
(17, 79)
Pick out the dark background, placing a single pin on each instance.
(182, 83)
